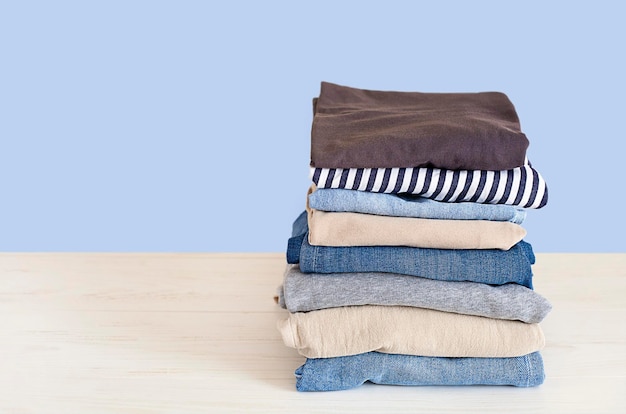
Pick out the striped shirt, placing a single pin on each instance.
(521, 186)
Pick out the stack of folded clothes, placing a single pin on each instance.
(408, 265)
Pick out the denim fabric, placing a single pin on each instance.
(342, 373)
(491, 266)
(299, 232)
(410, 206)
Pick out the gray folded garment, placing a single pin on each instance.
(304, 292)
(354, 128)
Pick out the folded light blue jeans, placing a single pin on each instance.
(491, 266)
(342, 373)
(410, 206)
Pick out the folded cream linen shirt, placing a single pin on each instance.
(406, 330)
(359, 229)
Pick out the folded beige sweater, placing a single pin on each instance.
(359, 229)
(406, 330)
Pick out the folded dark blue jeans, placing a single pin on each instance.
(342, 373)
(491, 266)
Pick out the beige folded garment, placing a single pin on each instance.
(406, 330)
(359, 229)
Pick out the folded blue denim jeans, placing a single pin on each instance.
(342, 373)
(491, 266)
(405, 205)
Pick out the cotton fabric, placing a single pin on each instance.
(359, 229)
(355, 128)
(521, 186)
(301, 292)
(352, 330)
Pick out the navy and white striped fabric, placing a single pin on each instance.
(522, 186)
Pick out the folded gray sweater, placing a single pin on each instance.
(303, 292)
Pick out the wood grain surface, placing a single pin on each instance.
(195, 333)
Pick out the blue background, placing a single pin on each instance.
(149, 126)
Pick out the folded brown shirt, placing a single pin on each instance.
(358, 128)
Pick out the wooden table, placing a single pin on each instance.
(195, 333)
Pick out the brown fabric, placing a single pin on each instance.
(358, 128)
